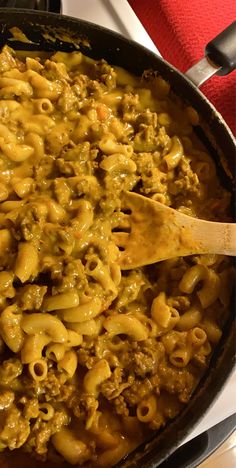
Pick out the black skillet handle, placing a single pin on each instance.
(222, 50)
(220, 57)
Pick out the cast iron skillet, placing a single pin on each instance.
(214, 132)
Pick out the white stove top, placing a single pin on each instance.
(113, 14)
(119, 16)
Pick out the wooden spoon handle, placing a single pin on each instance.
(212, 237)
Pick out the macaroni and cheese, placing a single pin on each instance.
(93, 359)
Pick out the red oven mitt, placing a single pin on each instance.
(181, 29)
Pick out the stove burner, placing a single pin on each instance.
(42, 5)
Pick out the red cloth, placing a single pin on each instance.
(181, 29)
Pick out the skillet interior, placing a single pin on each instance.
(216, 135)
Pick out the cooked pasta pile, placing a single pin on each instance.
(92, 358)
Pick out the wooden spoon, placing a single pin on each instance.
(157, 232)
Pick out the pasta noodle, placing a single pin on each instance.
(38, 369)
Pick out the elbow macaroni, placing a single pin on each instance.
(83, 312)
(10, 328)
(26, 261)
(33, 346)
(126, 324)
(210, 290)
(44, 323)
(99, 373)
